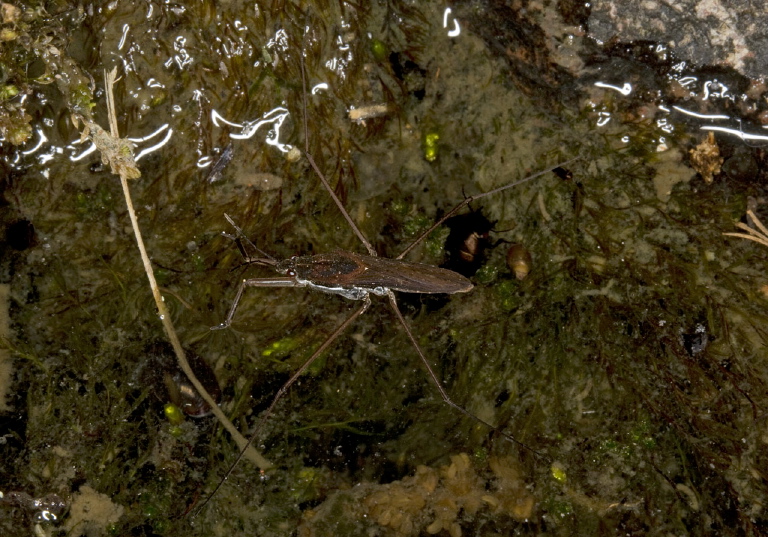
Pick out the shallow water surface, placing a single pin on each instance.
(630, 360)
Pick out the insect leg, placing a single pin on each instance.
(439, 385)
(284, 389)
(320, 175)
(470, 199)
(265, 258)
(277, 281)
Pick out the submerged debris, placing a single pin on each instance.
(706, 159)
(92, 514)
(160, 370)
(369, 111)
(433, 500)
(467, 242)
(260, 180)
(759, 235)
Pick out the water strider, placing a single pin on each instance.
(355, 277)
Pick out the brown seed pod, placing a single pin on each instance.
(519, 261)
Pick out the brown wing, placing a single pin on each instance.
(347, 269)
(408, 277)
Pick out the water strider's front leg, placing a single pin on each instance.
(277, 281)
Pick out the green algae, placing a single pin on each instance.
(585, 361)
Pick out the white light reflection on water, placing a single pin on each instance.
(339, 64)
(713, 88)
(738, 133)
(279, 41)
(700, 116)
(204, 162)
(317, 88)
(151, 149)
(704, 92)
(448, 18)
(275, 118)
(88, 150)
(342, 44)
(182, 58)
(143, 152)
(216, 118)
(665, 125)
(42, 139)
(126, 29)
(626, 89)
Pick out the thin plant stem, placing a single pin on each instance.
(126, 169)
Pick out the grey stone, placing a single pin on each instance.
(706, 32)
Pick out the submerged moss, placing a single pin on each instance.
(631, 360)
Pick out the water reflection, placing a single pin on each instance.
(631, 355)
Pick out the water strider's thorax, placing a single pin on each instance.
(337, 268)
(333, 273)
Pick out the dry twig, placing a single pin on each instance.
(118, 153)
(759, 235)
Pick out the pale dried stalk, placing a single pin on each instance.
(118, 154)
(760, 237)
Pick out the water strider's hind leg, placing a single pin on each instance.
(438, 384)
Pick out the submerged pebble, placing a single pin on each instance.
(741, 166)
(519, 261)
(260, 181)
(170, 384)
